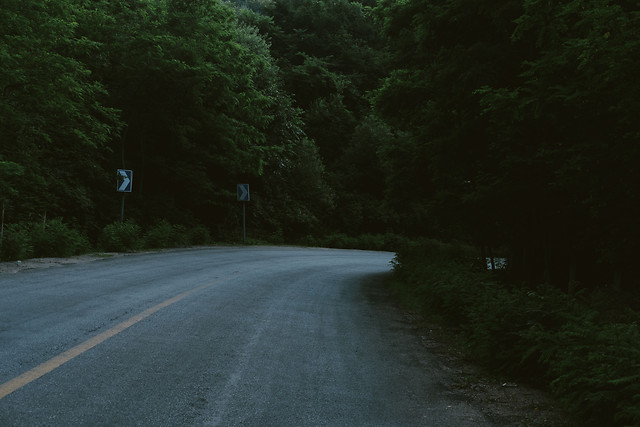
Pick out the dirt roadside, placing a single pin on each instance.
(503, 401)
(36, 263)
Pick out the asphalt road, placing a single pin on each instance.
(252, 336)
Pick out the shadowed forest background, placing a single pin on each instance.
(508, 126)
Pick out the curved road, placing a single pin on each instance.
(253, 336)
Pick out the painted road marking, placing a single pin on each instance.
(48, 366)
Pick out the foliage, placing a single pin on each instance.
(331, 56)
(188, 95)
(16, 243)
(587, 354)
(518, 117)
(199, 235)
(121, 237)
(165, 235)
(375, 242)
(9, 173)
(51, 238)
(50, 106)
(54, 238)
(594, 368)
(498, 123)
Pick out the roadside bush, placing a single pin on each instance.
(56, 239)
(374, 242)
(308, 240)
(164, 235)
(179, 236)
(199, 235)
(594, 369)
(16, 243)
(276, 238)
(498, 325)
(590, 360)
(120, 237)
(159, 236)
(394, 242)
(371, 242)
(434, 276)
(339, 241)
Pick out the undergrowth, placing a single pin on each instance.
(54, 238)
(587, 355)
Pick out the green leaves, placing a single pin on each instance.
(50, 104)
(531, 104)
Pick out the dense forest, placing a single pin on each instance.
(510, 125)
(194, 97)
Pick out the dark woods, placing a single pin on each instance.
(520, 116)
(508, 125)
(427, 127)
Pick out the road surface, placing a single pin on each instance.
(252, 336)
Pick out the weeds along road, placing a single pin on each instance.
(253, 336)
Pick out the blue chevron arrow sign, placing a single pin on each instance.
(125, 180)
(243, 192)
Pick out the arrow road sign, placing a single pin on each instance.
(125, 180)
(243, 192)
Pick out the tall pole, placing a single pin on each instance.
(122, 208)
(244, 225)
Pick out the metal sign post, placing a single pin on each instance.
(123, 185)
(243, 196)
(122, 208)
(244, 223)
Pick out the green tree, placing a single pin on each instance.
(570, 110)
(290, 190)
(520, 112)
(183, 75)
(53, 119)
(331, 56)
(442, 51)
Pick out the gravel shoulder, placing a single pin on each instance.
(502, 400)
(37, 263)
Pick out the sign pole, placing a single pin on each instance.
(243, 197)
(244, 224)
(122, 208)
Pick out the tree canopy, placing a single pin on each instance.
(519, 114)
(508, 124)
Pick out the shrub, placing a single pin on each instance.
(16, 243)
(120, 237)
(591, 363)
(164, 235)
(159, 236)
(56, 239)
(374, 242)
(339, 241)
(179, 236)
(394, 242)
(594, 369)
(199, 235)
(371, 242)
(308, 240)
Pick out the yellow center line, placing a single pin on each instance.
(48, 366)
